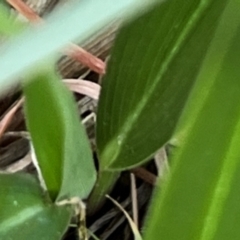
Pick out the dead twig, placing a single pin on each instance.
(145, 175)
(161, 161)
(134, 199)
(24, 10)
(19, 165)
(84, 87)
(6, 120)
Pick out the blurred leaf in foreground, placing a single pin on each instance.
(35, 44)
(8, 26)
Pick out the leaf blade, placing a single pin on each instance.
(206, 168)
(125, 135)
(25, 211)
(59, 139)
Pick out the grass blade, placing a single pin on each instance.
(24, 212)
(59, 139)
(148, 83)
(201, 197)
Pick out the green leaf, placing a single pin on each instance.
(25, 212)
(8, 26)
(59, 139)
(201, 198)
(148, 83)
(36, 43)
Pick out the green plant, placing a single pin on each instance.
(172, 75)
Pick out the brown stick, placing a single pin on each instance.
(86, 58)
(4, 123)
(84, 87)
(145, 175)
(25, 10)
